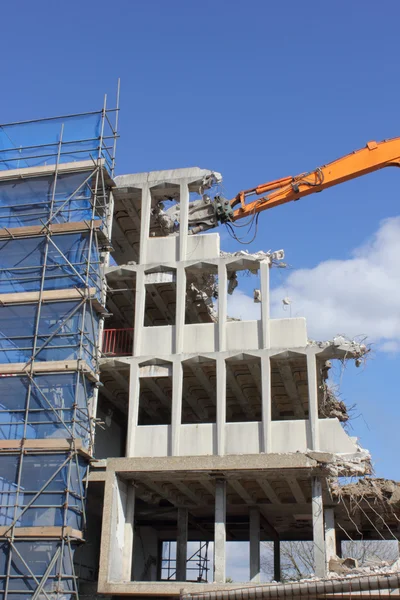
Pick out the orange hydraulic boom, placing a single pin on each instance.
(374, 156)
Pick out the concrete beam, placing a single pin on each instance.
(291, 388)
(296, 490)
(258, 463)
(238, 393)
(268, 491)
(159, 302)
(117, 311)
(157, 391)
(120, 379)
(186, 491)
(208, 486)
(203, 379)
(200, 413)
(241, 491)
(163, 492)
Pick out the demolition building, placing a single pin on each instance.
(141, 427)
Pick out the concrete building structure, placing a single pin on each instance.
(231, 430)
(199, 429)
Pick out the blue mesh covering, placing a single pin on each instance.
(37, 142)
(40, 488)
(21, 263)
(59, 332)
(62, 495)
(51, 406)
(29, 201)
(38, 554)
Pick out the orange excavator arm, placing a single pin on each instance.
(374, 156)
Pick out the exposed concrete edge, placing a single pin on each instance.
(231, 462)
(322, 588)
(160, 589)
(319, 588)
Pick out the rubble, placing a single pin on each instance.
(260, 255)
(331, 406)
(381, 490)
(350, 348)
(342, 565)
(345, 465)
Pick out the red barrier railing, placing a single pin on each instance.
(117, 342)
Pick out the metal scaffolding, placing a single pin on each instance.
(55, 227)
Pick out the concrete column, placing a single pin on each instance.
(313, 400)
(220, 532)
(181, 544)
(127, 552)
(254, 515)
(266, 400)
(144, 223)
(277, 560)
(133, 408)
(221, 404)
(140, 299)
(184, 219)
(330, 536)
(176, 408)
(222, 305)
(318, 527)
(264, 279)
(180, 308)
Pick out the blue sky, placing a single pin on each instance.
(256, 90)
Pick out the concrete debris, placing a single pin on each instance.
(270, 256)
(352, 348)
(168, 222)
(377, 489)
(257, 296)
(209, 181)
(232, 283)
(197, 296)
(201, 212)
(381, 568)
(346, 465)
(331, 407)
(342, 565)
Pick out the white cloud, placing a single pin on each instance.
(357, 296)
(241, 306)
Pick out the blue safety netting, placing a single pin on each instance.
(36, 143)
(66, 330)
(49, 406)
(55, 479)
(22, 260)
(30, 201)
(38, 554)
